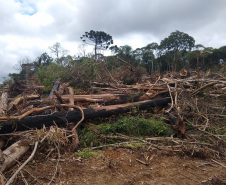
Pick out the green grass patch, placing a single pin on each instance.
(86, 153)
(135, 145)
(217, 130)
(94, 135)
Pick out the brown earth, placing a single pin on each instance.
(122, 166)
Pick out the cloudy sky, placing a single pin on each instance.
(29, 27)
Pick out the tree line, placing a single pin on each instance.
(173, 53)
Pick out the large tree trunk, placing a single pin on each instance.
(75, 116)
(113, 99)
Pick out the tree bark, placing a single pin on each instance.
(62, 88)
(55, 87)
(76, 115)
(3, 104)
(112, 99)
(59, 98)
(71, 97)
(14, 153)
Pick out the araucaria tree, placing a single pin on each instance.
(99, 39)
(177, 42)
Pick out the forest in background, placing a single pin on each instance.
(176, 52)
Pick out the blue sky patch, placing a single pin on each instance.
(27, 8)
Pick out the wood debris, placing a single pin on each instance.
(180, 98)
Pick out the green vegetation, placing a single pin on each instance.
(86, 153)
(134, 145)
(94, 135)
(137, 126)
(49, 73)
(217, 130)
(173, 53)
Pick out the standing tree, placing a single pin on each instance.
(99, 39)
(151, 49)
(20, 63)
(43, 59)
(57, 50)
(177, 42)
(82, 48)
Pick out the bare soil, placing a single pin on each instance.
(125, 166)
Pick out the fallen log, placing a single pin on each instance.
(109, 99)
(116, 99)
(76, 115)
(19, 99)
(55, 87)
(13, 153)
(22, 166)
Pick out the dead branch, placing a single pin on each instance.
(54, 175)
(128, 64)
(142, 162)
(58, 96)
(62, 88)
(218, 163)
(25, 110)
(34, 110)
(19, 99)
(203, 87)
(167, 111)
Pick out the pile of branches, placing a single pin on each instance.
(27, 87)
(192, 105)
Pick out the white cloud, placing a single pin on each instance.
(29, 27)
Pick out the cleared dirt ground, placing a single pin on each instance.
(126, 166)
